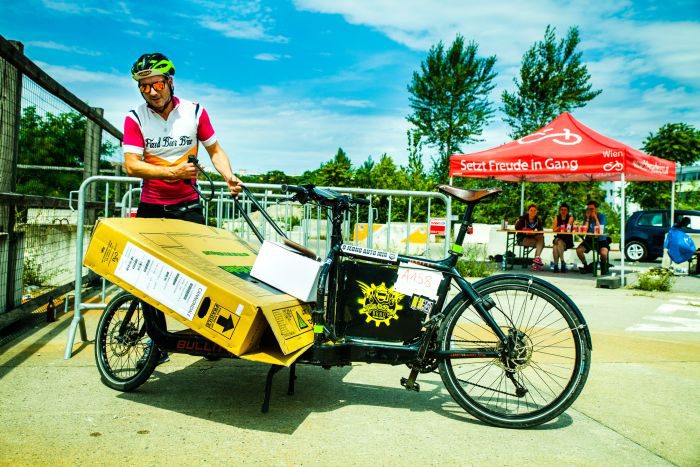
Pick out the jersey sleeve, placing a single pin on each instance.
(133, 137)
(205, 131)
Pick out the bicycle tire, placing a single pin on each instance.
(120, 346)
(552, 362)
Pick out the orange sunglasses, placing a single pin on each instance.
(146, 88)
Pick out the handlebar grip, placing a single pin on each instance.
(294, 189)
(192, 160)
(362, 201)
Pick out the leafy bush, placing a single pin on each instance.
(473, 263)
(32, 275)
(656, 279)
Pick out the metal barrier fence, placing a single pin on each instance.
(305, 224)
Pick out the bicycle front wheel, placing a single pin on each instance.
(123, 352)
(538, 373)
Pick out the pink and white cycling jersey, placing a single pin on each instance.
(167, 142)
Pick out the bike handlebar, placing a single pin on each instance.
(193, 160)
(304, 193)
(294, 189)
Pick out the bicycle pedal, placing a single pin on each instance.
(414, 387)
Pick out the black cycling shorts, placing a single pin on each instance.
(191, 211)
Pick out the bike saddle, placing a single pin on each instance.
(468, 196)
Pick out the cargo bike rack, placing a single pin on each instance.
(511, 349)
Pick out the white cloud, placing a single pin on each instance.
(63, 48)
(355, 103)
(238, 20)
(240, 29)
(67, 75)
(507, 29)
(270, 130)
(73, 8)
(268, 57)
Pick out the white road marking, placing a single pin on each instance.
(679, 315)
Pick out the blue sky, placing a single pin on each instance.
(287, 82)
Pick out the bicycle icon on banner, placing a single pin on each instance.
(615, 166)
(569, 138)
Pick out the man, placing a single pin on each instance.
(159, 136)
(594, 221)
(531, 222)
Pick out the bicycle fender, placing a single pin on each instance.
(560, 293)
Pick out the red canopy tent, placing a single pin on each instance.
(565, 150)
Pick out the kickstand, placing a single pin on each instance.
(292, 378)
(268, 386)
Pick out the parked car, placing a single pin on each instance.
(645, 232)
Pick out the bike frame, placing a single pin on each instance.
(354, 350)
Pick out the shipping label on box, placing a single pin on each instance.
(158, 279)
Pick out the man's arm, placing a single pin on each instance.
(220, 160)
(135, 167)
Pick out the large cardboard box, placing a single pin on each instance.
(287, 270)
(199, 275)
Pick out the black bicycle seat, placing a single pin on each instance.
(469, 196)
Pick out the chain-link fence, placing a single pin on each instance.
(50, 141)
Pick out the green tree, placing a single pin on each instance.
(415, 170)
(552, 81)
(678, 142)
(385, 175)
(449, 99)
(337, 172)
(51, 141)
(277, 177)
(363, 174)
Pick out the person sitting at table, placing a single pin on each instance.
(563, 222)
(593, 221)
(531, 222)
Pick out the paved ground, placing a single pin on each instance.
(640, 405)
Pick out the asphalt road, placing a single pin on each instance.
(639, 406)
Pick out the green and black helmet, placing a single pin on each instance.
(152, 65)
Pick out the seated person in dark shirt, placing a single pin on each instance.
(563, 222)
(594, 223)
(531, 222)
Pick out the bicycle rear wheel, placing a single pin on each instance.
(539, 373)
(125, 358)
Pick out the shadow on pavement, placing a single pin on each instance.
(230, 392)
(33, 348)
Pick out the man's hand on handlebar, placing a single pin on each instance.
(235, 185)
(184, 171)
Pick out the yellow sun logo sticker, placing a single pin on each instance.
(380, 304)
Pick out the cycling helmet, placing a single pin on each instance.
(152, 65)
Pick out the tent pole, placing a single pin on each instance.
(673, 197)
(622, 233)
(522, 197)
(666, 261)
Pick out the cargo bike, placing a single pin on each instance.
(511, 349)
